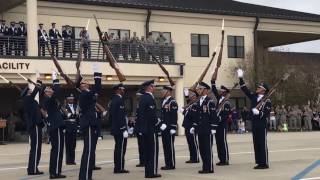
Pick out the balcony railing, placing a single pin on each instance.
(93, 50)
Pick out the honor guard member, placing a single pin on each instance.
(205, 125)
(12, 34)
(54, 34)
(119, 127)
(67, 42)
(138, 132)
(223, 113)
(71, 119)
(100, 113)
(190, 113)
(169, 118)
(42, 37)
(22, 36)
(3, 38)
(55, 125)
(88, 122)
(33, 117)
(149, 127)
(259, 121)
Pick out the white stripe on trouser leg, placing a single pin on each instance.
(36, 152)
(172, 157)
(266, 146)
(154, 155)
(211, 155)
(121, 157)
(88, 161)
(196, 144)
(57, 169)
(225, 144)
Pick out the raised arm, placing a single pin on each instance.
(214, 90)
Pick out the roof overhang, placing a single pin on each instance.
(273, 38)
(6, 5)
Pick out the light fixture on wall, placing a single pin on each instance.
(109, 77)
(47, 76)
(161, 79)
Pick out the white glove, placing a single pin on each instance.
(37, 74)
(130, 131)
(95, 67)
(125, 134)
(240, 73)
(104, 113)
(186, 92)
(172, 131)
(140, 134)
(69, 114)
(99, 138)
(192, 130)
(54, 75)
(163, 127)
(255, 111)
(181, 110)
(213, 131)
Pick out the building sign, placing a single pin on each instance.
(6, 65)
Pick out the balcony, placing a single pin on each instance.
(14, 47)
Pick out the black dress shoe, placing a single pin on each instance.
(36, 173)
(264, 166)
(57, 176)
(72, 163)
(167, 168)
(190, 161)
(205, 172)
(153, 176)
(96, 168)
(222, 164)
(121, 171)
(140, 165)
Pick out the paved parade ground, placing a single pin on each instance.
(291, 155)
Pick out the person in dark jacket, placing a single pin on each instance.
(138, 133)
(119, 127)
(54, 35)
(259, 121)
(205, 125)
(55, 125)
(71, 119)
(42, 38)
(13, 34)
(88, 122)
(149, 128)
(222, 113)
(190, 113)
(21, 38)
(169, 118)
(33, 117)
(67, 35)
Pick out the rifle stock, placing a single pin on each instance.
(111, 59)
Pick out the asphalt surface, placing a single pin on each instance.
(294, 155)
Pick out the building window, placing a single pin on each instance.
(166, 35)
(119, 34)
(235, 46)
(199, 45)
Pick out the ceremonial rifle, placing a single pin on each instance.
(11, 83)
(272, 90)
(227, 97)
(219, 60)
(112, 62)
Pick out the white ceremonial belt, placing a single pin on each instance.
(70, 120)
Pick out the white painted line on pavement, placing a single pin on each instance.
(313, 178)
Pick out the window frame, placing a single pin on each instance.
(119, 32)
(199, 45)
(235, 47)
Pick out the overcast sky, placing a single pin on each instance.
(310, 6)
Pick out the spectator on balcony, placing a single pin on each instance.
(3, 38)
(13, 34)
(67, 42)
(42, 38)
(22, 34)
(84, 35)
(150, 38)
(125, 46)
(54, 35)
(161, 39)
(142, 53)
(134, 46)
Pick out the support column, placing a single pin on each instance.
(32, 23)
(179, 98)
